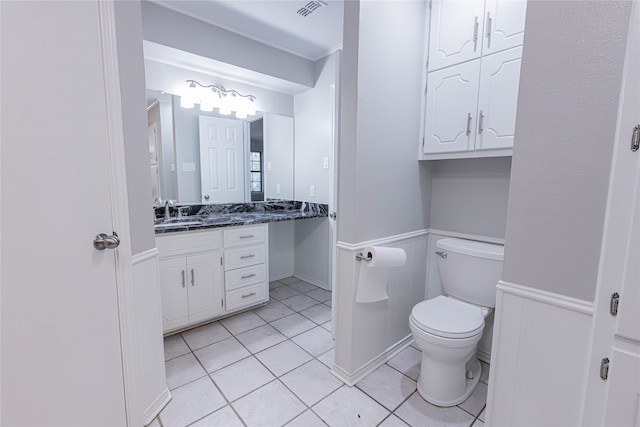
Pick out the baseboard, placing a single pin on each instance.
(372, 365)
(313, 281)
(154, 409)
(483, 356)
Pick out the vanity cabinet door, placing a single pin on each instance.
(498, 99)
(455, 34)
(173, 288)
(451, 105)
(204, 284)
(504, 25)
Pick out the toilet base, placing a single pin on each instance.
(475, 368)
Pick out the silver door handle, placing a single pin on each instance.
(247, 256)
(206, 197)
(193, 278)
(468, 124)
(183, 278)
(102, 241)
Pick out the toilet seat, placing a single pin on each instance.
(448, 318)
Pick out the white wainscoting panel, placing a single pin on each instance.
(154, 394)
(540, 353)
(371, 333)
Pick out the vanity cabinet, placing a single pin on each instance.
(473, 74)
(245, 266)
(210, 273)
(191, 280)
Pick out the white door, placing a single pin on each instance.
(498, 99)
(503, 25)
(204, 285)
(61, 337)
(616, 400)
(455, 34)
(451, 105)
(222, 160)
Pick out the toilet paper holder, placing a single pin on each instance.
(361, 257)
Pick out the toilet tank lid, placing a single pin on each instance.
(472, 248)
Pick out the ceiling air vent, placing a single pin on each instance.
(310, 7)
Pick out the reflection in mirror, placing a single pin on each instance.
(201, 157)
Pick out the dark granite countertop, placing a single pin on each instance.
(197, 217)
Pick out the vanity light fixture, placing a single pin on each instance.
(216, 96)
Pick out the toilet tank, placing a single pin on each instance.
(470, 270)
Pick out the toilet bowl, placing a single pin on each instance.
(447, 328)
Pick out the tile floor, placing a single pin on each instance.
(269, 367)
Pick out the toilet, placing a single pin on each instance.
(447, 328)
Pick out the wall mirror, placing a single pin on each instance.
(199, 157)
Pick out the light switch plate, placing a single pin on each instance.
(277, 188)
(325, 162)
(269, 165)
(188, 167)
(312, 190)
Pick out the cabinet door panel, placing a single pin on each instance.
(451, 105)
(504, 25)
(455, 34)
(204, 280)
(175, 309)
(498, 100)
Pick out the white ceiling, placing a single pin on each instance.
(273, 22)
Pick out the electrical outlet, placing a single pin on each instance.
(312, 191)
(325, 162)
(277, 188)
(172, 167)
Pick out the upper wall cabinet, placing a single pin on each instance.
(464, 30)
(472, 80)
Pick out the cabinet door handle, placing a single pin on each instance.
(489, 22)
(248, 295)
(480, 122)
(183, 279)
(193, 278)
(247, 236)
(468, 123)
(247, 256)
(248, 276)
(475, 34)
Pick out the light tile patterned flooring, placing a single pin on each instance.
(269, 367)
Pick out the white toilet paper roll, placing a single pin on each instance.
(374, 274)
(382, 256)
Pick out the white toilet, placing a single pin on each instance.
(447, 328)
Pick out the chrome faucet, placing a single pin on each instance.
(167, 213)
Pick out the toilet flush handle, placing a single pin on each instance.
(443, 254)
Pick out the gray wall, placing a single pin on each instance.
(470, 195)
(567, 109)
(169, 28)
(314, 133)
(384, 190)
(134, 103)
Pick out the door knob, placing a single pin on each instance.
(206, 197)
(102, 241)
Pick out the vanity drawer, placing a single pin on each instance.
(189, 242)
(244, 257)
(243, 236)
(235, 279)
(246, 296)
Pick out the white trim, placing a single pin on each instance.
(120, 211)
(154, 409)
(373, 364)
(313, 281)
(477, 237)
(382, 241)
(550, 298)
(144, 256)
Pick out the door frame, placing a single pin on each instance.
(625, 178)
(120, 212)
